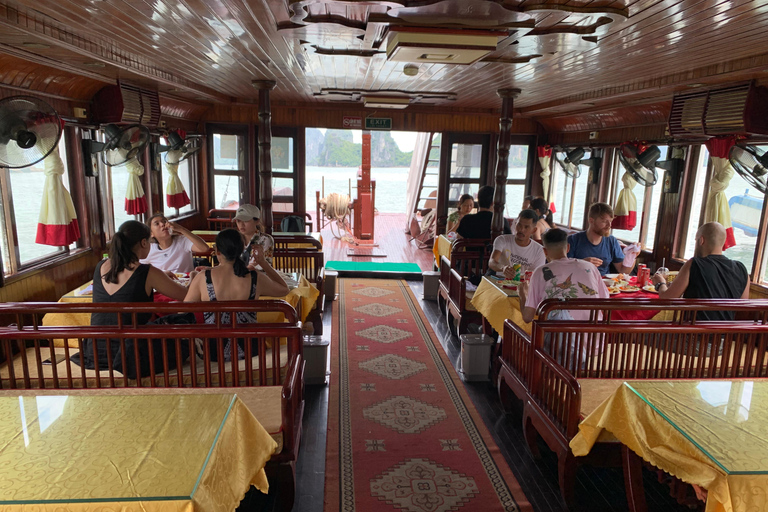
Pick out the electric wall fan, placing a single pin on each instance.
(178, 149)
(751, 162)
(569, 161)
(122, 145)
(30, 129)
(641, 161)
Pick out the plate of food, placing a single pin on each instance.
(629, 289)
(650, 288)
(613, 290)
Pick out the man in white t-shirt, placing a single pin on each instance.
(561, 278)
(509, 250)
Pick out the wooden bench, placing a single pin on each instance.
(468, 257)
(544, 370)
(311, 264)
(291, 241)
(274, 376)
(220, 219)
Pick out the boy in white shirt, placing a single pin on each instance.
(509, 250)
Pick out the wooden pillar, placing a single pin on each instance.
(265, 151)
(502, 162)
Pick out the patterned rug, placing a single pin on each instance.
(402, 432)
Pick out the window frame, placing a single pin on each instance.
(246, 182)
(193, 167)
(8, 219)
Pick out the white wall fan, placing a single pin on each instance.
(30, 130)
(751, 162)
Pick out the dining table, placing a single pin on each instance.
(148, 452)
(497, 304)
(302, 298)
(709, 433)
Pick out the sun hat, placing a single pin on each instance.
(248, 212)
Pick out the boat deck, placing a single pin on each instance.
(390, 239)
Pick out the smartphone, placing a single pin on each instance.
(59, 358)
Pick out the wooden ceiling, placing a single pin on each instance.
(572, 58)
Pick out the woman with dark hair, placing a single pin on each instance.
(465, 206)
(248, 222)
(171, 246)
(540, 206)
(231, 280)
(121, 278)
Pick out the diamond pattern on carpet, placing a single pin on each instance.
(379, 310)
(393, 367)
(404, 414)
(421, 485)
(384, 334)
(373, 292)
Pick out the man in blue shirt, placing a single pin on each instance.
(597, 246)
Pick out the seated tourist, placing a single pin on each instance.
(121, 278)
(478, 225)
(708, 275)
(509, 250)
(540, 206)
(172, 245)
(562, 278)
(597, 246)
(248, 222)
(465, 206)
(232, 280)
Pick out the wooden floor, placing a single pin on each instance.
(389, 234)
(597, 489)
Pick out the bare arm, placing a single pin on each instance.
(157, 280)
(527, 312)
(494, 263)
(270, 283)
(194, 292)
(198, 244)
(678, 286)
(744, 294)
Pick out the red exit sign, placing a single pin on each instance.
(352, 123)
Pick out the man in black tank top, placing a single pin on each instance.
(708, 275)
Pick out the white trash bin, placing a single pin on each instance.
(315, 359)
(475, 356)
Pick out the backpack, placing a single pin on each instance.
(292, 224)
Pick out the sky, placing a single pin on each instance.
(405, 140)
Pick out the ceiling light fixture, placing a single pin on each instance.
(385, 102)
(410, 70)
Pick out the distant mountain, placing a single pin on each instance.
(338, 150)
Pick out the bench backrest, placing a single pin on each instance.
(297, 241)
(220, 219)
(160, 349)
(277, 219)
(308, 261)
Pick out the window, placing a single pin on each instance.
(283, 174)
(20, 211)
(746, 203)
(642, 197)
(516, 174)
(187, 169)
(694, 220)
(465, 172)
(118, 185)
(570, 195)
(228, 164)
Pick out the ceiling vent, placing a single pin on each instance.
(126, 103)
(740, 109)
(385, 102)
(445, 46)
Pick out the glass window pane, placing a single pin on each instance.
(456, 190)
(282, 154)
(27, 188)
(639, 191)
(582, 182)
(653, 213)
(746, 206)
(226, 192)
(4, 244)
(282, 187)
(466, 160)
(562, 197)
(514, 200)
(698, 198)
(518, 162)
(228, 152)
(119, 178)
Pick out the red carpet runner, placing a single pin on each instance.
(402, 432)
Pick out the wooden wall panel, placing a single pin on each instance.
(612, 137)
(411, 119)
(52, 282)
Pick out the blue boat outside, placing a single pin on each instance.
(745, 213)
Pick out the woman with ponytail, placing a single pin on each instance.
(231, 280)
(121, 278)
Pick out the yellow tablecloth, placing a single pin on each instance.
(155, 453)
(496, 306)
(703, 432)
(302, 298)
(442, 247)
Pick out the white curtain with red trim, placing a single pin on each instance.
(175, 195)
(545, 157)
(722, 171)
(625, 210)
(135, 201)
(57, 223)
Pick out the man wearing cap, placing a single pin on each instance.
(248, 222)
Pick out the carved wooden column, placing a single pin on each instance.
(502, 163)
(265, 151)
